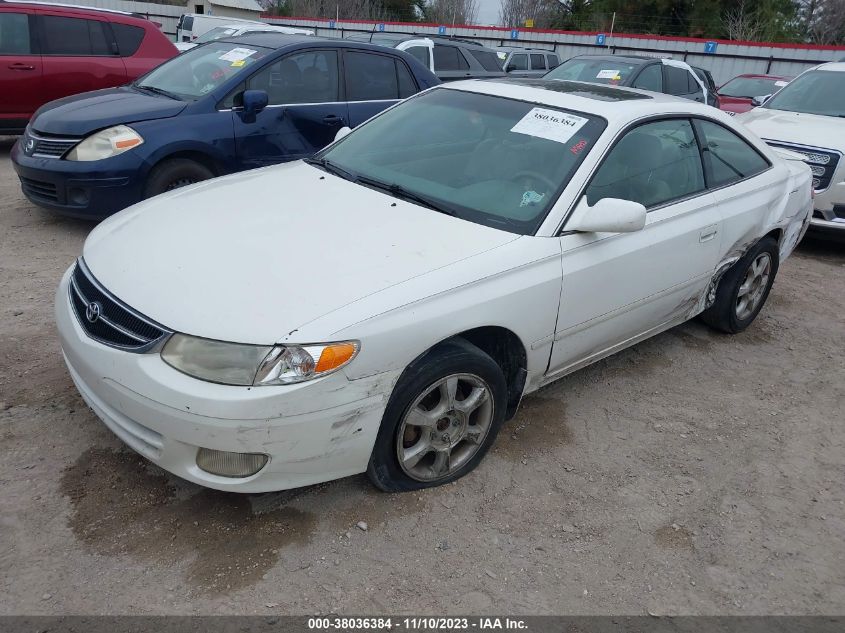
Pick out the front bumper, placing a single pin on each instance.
(90, 190)
(312, 432)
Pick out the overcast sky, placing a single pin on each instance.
(488, 11)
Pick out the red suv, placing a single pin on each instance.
(52, 51)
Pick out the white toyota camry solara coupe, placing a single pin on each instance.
(384, 306)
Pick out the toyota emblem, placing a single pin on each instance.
(92, 312)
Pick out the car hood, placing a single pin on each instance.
(252, 257)
(84, 113)
(796, 127)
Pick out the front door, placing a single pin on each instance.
(304, 112)
(20, 69)
(618, 287)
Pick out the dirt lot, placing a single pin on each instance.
(694, 473)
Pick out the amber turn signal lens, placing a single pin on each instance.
(334, 356)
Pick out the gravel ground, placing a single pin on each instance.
(694, 473)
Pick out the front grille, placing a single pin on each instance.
(39, 189)
(108, 320)
(48, 146)
(822, 162)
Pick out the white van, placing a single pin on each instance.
(192, 25)
(241, 28)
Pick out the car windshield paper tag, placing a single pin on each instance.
(237, 54)
(549, 124)
(608, 74)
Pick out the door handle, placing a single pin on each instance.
(708, 234)
(20, 66)
(332, 119)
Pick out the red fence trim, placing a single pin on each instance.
(640, 36)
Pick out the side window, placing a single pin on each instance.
(553, 60)
(677, 80)
(727, 157)
(651, 78)
(537, 61)
(518, 62)
(128, 38)
(488, 60)
(653, 164)
(449, 58)
(407, 85)
(370, 77)
(420, 52)
(299, 78)
(14, 34)
(72, 36)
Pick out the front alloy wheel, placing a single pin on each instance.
(444, 427)
(442, 418)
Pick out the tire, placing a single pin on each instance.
(422, 396)
(174, 173)
(747, 282)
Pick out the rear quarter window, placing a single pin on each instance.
(128, 38)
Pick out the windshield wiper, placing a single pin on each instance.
(398, 191)
(158, 91)
(327, 165)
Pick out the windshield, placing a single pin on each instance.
(200, 70)
(750, 87)
(486, 159)
(215, 34)
(600, 71)
(814, 92)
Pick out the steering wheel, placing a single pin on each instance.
(207, 74)
(532, 175)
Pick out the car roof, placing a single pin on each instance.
(642, 59)
(834, 66)
(270, 39)
(277, 41)
(759, 76)
(522, 49)
(76, 8)
(610, 102)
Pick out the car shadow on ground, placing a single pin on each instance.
(826, 249)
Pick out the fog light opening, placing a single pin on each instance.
(226, 464)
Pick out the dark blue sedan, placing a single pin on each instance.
(219, 108)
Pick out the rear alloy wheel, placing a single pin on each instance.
(743, 290)
(442, 418)
(175, 173)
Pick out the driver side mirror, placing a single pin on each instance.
(758, 101)
(254, 101)
(608, 215)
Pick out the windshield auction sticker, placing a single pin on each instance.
(549, 124)
(237, 54)
(608, 74)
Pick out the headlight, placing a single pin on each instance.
(247, 365)
(106, 143)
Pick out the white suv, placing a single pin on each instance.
(808, 117)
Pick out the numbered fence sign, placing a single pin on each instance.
(381, 26)
(441, 30)
(514, 34)
(332, 24)
(710, 47)
(600, 39)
